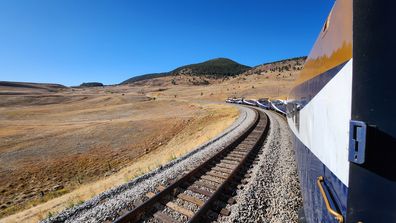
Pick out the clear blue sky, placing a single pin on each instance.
(75, 41)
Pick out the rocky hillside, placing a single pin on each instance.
(199, 74)
(215, 68)
(282, 66)
(219, 67)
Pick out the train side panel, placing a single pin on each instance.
(342, 115)
(319, 110)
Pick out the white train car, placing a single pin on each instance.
(250, 102)
(263, 103)
(278, 106)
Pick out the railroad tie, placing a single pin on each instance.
(225, 212)
(162, 217)
(173, 206)
(232, 159)
(237, 157)
(210, 178)
(160, 187)
(238, 153)
(226, 166)
(200, 191)
(230, 162)
(150, 194)
(191, 199)
(207, 185)
(223, 170)
(179, 209)
(216, 174)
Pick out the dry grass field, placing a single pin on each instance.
(52, 144)
(60, 146)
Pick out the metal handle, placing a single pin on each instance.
(336, 215)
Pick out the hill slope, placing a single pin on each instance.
(216, 68)
(286, 65)
(10, 87)
(144, 77)
(219, 67)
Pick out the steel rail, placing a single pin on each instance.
(206, 207)
(137, 213)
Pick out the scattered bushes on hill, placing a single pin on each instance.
(91, 84)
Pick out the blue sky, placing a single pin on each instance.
(75, 41)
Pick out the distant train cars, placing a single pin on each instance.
(276, 104)
(249, 102)
(264, 103)
(235, 100)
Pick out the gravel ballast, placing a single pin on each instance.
(107, 205)
(273, 192)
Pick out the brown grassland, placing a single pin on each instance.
(61, 147)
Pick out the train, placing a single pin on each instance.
(341, 113)
(276, 105)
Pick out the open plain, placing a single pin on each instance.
(52, 144)
(60, 146)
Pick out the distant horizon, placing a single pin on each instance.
(151, 72)
(73, 42)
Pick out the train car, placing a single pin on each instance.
(342, 115)
(263, 103)
(229, 100)
(238, 101)
(278, 106)
(249, 102)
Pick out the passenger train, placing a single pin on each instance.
(342, 115)
(276, 105)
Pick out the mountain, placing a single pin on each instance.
(145, 77)
(219, 67)
(216, 68)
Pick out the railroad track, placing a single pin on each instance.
(201, 194)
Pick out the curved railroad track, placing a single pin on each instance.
(201, 194)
